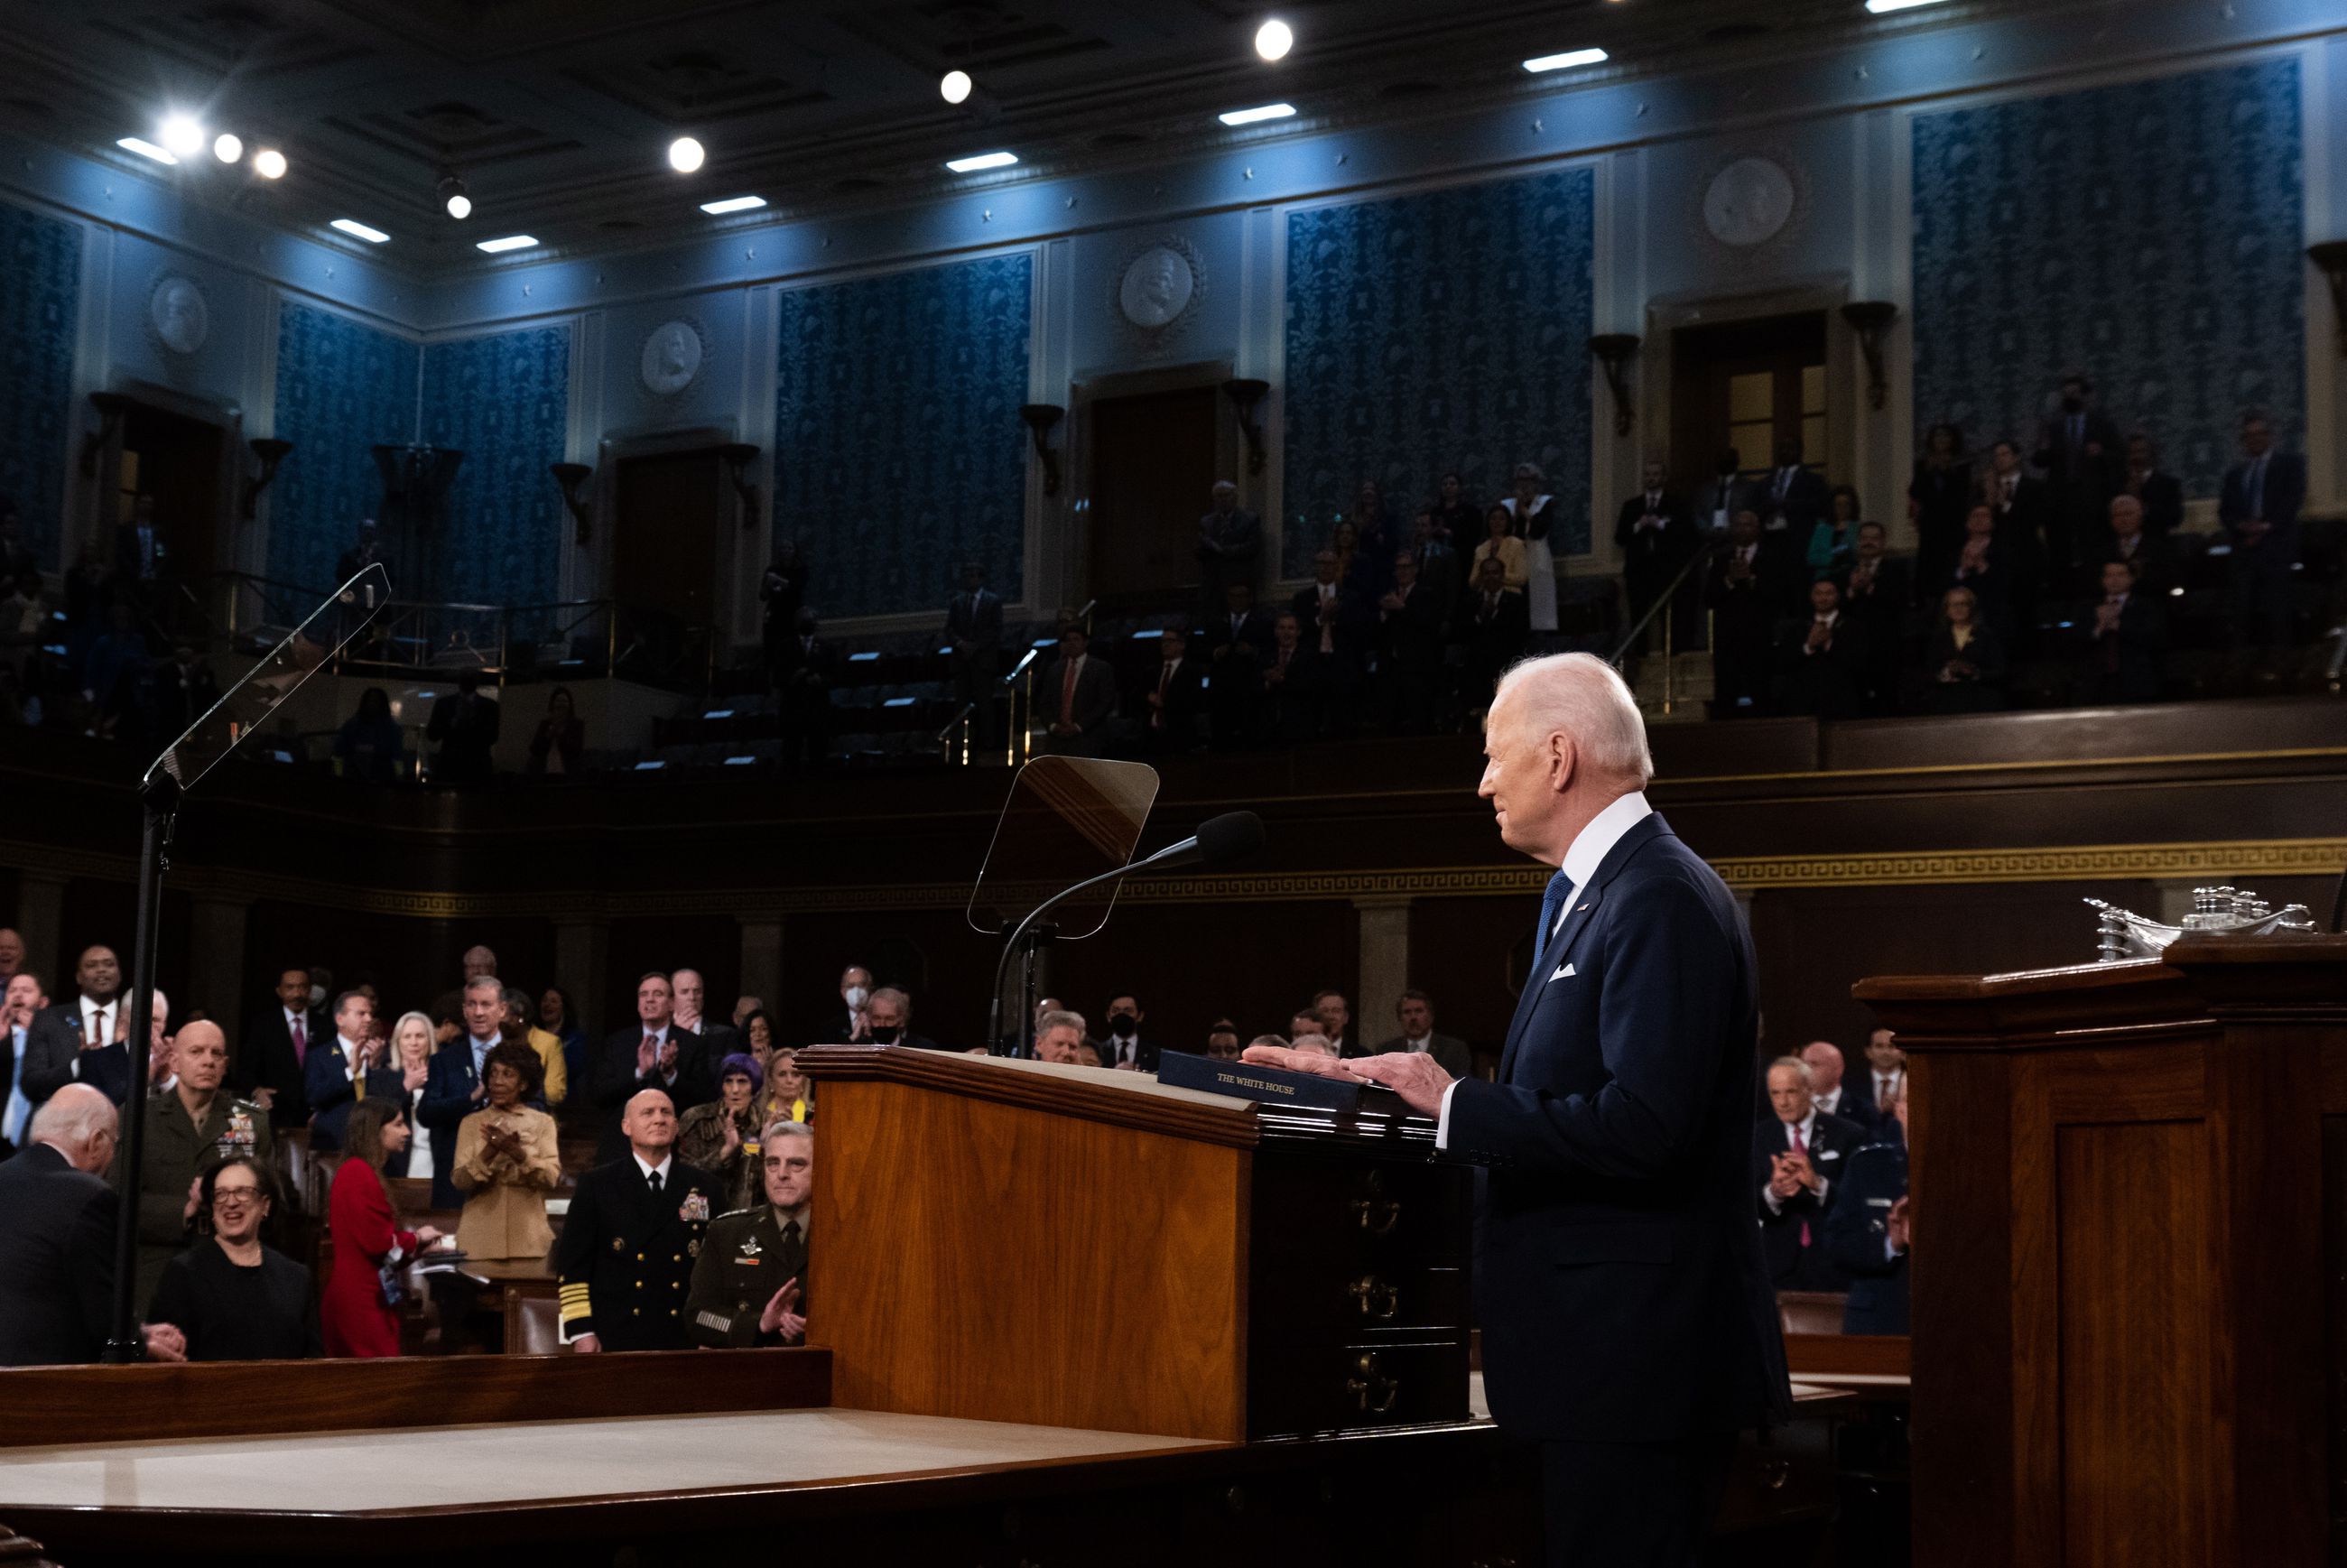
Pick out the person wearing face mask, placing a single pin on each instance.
(889, 1016)
(848, 1027)
(1124, 1047)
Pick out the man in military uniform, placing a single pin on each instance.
(1867, 1230)
(750, 1285)
(629, 1244)
(190, 1126)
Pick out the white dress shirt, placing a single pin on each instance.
(1829, 1102)
(1809, 1126)
(666, 1161)
(1588, 851)
(18, 1112)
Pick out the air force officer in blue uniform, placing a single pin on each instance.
(1628, 1322)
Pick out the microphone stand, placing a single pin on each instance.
(1028, 935)
(160, 800)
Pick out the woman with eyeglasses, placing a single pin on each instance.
(234, 1296)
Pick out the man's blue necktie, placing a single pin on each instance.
(1560, 892)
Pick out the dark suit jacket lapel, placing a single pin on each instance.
(1583, 909)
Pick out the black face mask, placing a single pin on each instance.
(888, 1036)
(1123, 1023)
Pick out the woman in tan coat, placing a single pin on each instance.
(507, 1156)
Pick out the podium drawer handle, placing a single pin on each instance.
(1373, 1392)
(1377, 1300)
(1378, 1215)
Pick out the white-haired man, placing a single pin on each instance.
(1628, 1326)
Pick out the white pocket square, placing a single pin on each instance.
(1566, 973)
(1829, 1154)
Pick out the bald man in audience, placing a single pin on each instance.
(1823, 1058)
(57, 1251)
(188, 1126)
(625, 1257)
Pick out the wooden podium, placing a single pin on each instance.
(2130, 1194)
(1013, 1241)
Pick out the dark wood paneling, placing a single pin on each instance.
(107, 913)
(1190, 964)
(709, 943)
(2139, 1454)
(49, 1405)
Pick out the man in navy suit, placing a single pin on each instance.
(1628, 1326)
(1867, 1229)
(1797, 1160)
(2259, 509)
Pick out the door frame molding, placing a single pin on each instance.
(723, 564)
(228, 471)
(1188, 376)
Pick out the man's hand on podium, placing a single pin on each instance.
(1418, 1079)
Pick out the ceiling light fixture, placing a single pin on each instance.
(145, 148)
(954, 86)
(1259, 112)
(453, 198)
(1880, 7)
(228, 146)
(1565, 61)
(269, 163)
(508, 243)
(686, 155)
(1273, 39)
(182, 135)
(357, 230)
(733, 204)
(981, 160)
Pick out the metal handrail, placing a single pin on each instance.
(1662, 602)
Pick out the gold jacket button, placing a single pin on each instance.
(639, 1258)
(635, 1312)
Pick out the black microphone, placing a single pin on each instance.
(1224, 837)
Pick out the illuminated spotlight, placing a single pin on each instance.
(1259, 112)
(353, 227)
(454, 198)
(145, 148)
(1273, 39)
(733, 204)
(269, 163)
(981, 160)
(1880, 7)
(1565, 61)
(954, 86)
(228, 146)
(685, 155)
(508, 243)
(182, 135)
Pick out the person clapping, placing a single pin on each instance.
(507, 1157)
(232, 1295)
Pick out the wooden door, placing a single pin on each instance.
(1152, 469)
(1747, 384)
(671, 509)
(178, 461)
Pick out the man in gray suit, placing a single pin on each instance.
(1416, 1011)
(974, 642)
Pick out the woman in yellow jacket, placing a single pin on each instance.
(507, 1158)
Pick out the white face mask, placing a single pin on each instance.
(855, 996)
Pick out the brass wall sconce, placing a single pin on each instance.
(1040, 418)
(111, 407)
(271, 451)
(739, 455)
(1246, 395)
(1871, 319)
(1613, 351)
(575, 498)
(2331, 257)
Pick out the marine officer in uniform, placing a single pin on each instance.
(628, 1245)
(190, 1125)
(750, 1285)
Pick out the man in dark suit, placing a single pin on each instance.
(1748, 588)
(1793, 496)
(2258, 507)
(142, 556)
(343, 1068)
(463, 725)
(689, 1008)
(2081, 453)
(1825, 659)
(1336, 627)
(276, 1046)
(1867, 1229)
(456, 1083)
(1656, 536)
(1494, 625)
(974, 643)
(1295, 686)
(1124, 1046)
(1719, 498)
(1628, 1325)
(2161, 495)
(1416, 1013)
(1079, 692)
(57, 1251)
(804, 666)
(1171, 691)
(1875, 592)
(2128, 537)
(2021, 505)
(655, 1054)
(81, 1041)
(2126, 641)
(1230, 540)
(1239, 636)
(1796, 1156)
(1864, 1093)
(626, 1250)
(1410, 620)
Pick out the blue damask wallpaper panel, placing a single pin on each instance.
(899, 450)
(1439, 331)
(2149, 233)
(343, 388)
(40, 287)
(504, 401)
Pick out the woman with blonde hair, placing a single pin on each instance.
(410, 1056)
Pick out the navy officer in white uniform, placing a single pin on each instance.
(1628, 1324)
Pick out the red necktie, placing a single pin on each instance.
(301, 1042)
(1068, 695)
(1793, 1134)
(1165, 680)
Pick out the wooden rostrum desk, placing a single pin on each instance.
(1055, 1319)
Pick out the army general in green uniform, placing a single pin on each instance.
(628, 1242)
(750, 1285)
(190, 1126)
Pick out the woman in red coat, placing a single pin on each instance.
(352, 1317)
